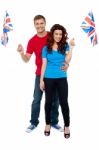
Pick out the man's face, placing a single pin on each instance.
(40, 25)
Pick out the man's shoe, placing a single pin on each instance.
(30, 128)
(58, 127)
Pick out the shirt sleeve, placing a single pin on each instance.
(30, 47)
(44, 52)
(67, 48)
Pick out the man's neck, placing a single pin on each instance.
(42, 34)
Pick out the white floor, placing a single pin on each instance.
(16, 88)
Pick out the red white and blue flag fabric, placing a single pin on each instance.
(7, 27)
(88, 26)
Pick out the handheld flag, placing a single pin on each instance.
(88, 26)
(7, 27)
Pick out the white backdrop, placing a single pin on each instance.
(17, 78)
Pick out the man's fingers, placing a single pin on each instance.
(62, 68)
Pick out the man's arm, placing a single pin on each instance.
(25, 56)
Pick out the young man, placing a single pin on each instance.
(35, 45)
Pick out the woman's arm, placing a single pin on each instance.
(69, 54)
(44, 63)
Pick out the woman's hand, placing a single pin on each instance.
(72, 43)
(42, 85)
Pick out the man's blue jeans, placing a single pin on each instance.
(35, 108)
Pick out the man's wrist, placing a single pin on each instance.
(66, 63)
(21, 52)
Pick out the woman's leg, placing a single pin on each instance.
(49, 90)
(62, 88)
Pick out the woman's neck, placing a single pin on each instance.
(55, 46)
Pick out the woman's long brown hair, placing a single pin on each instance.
(62, 44)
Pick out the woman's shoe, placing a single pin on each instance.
(66, 135)
(47, 130)
(47, 133)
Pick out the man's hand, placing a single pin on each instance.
(65, 66)
(20, 49)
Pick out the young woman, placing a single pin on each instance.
(54, 54)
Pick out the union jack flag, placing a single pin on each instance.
(7, 27)
(88, 26)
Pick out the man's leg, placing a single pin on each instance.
(35, 107)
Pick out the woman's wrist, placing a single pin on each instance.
(71, 47)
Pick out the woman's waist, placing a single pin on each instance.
(55, 72)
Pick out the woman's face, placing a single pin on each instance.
(57, 35)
